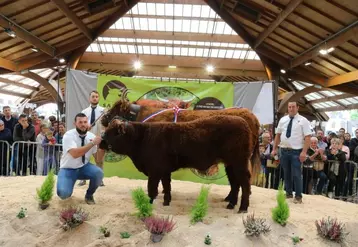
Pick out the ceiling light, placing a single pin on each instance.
(10, 32)
(209, 68)
(283, 71)
(330, 49)
(172, 67)
(323, 52)
(308, 63)
(34, 49)
(289, 79)
(62, 60)
(137, 64)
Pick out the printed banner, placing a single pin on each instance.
(190, 95)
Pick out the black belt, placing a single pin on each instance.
(291, 149)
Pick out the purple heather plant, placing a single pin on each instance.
(331, 229)
(72, 217)
(156, 225)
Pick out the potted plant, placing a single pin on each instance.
(45, 193)
(158, 227)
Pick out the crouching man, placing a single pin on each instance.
(78, 146)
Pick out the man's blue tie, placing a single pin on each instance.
(93, 116)
(289, 128)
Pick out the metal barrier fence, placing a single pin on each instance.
(29, 158)
(330, 178)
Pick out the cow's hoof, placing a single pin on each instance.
(227, 199)
(166, 203)
(230, 206)
(151, 201)
(241, 211)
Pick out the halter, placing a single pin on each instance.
(175, 109)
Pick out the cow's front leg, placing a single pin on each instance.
(166, 179)
(153, 182)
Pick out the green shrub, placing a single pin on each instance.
(45, 193)
(200, 208)
(281, 213)
(142, 203)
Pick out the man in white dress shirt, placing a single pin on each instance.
(78, 146)
(93, 112)
(294, 136)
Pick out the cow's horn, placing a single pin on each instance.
(161, 99)
(189, 100)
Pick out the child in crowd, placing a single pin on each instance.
(49, 152)
(40, 150)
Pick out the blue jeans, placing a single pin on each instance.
(66, 179)
(291, 164)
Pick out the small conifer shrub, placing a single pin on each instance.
(142, 203)
(45, 193)
(200, 207)
(281, 213)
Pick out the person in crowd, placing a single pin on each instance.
(343, 147)
(335, 168)
(271, 173)
(23, 131)
(313, 168)
(52, 119)
(347, 138)
(9, 120)
(36, 122)
(78, 146)
(352, 146)
(294, 136)
(59, 137)
(48, 145)
(54, 128)
(321, 143)
(5, 142)
(342, 131)
(40, 150)
(94, 112)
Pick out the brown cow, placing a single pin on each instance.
(162, 104)
(160, 148)
(127, 110)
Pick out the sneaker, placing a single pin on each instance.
(89, 200)
(297, 200)
(83, 182)
(289, 196)
(330, 194)
(102, 184)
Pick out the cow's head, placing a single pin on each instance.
(119, 109)
(117, 136)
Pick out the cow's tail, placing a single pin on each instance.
(255, 161)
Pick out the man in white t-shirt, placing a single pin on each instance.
(294, 136)
(93, 113)
(78, 146)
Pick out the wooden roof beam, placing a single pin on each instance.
(7, 64)
(338, 108)
(27, 36)
(43, 82)
(161, 68)
(12, 93)
(62, 6)
(332, 98)
(342, 36)
(342, 79)
(18, 84)
(346, 89)
(291, 6)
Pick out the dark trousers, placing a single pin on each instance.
(275, 177)
(348, 185)
(337, 182)
(307, 180)
(4, 162)
(321, 175)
